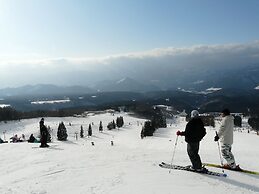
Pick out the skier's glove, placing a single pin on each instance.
(216, 138)
(179, 133)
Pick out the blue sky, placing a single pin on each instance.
(91, 28)
(49, 37)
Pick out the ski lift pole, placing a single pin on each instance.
(174, 152)
(221, 160)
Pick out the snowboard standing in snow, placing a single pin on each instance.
(236, 169)
(188, 168)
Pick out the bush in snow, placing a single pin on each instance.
(111, 125)
(62, 132)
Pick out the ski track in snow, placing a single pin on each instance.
(128, 167)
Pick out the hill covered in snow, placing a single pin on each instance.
(130, 166)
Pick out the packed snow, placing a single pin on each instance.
(128, 167)
(4, 105)
(213, 89)
(50, 101)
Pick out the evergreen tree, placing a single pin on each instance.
(90, 130)
(207, 120)
(8, 113)
(148, 129)
(254, 123)
(142, 134)
(238, 121)
(81, 132)
(158, 121)
(62, 132)
(114, 125)
(101, 126)
(119, 122)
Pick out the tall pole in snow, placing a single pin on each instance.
(173, 152)
(221, 160)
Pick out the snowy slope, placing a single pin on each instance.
(128, 167)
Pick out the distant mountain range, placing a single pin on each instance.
(237, 100)
(124, 84)
(145, 78)
(44, 90)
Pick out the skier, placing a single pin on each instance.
(225, 135)
(194, 132)
(44, 134)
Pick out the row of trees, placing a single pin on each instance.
(9, 113)
(119, 123)
(209, 120)
(158, 120)
(254, 123)
(62, 132)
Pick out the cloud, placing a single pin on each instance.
(250, 50)
(38, 69)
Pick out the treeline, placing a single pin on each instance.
(157, 120)
(254, 123)
(8, 113)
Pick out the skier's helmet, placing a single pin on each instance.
(194, 113)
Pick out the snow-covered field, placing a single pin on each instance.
(128, 167)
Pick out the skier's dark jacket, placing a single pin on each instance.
(43, 130)
(194, 130)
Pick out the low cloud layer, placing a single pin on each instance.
(158, 62)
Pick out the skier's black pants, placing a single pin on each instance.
(43, 140)
(193, 149)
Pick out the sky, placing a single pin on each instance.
(32, 31)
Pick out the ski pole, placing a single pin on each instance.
(174, 152)
(221, 160)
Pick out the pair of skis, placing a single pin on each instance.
(188, 168)
(236, 169)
